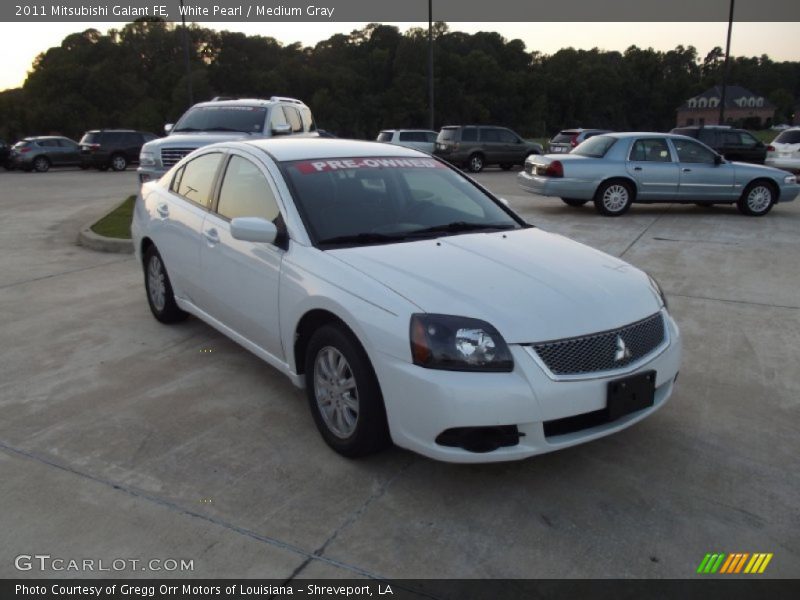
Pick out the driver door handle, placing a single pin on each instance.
(212, 237)
(687, 170)
(162, 210)
(637, 168)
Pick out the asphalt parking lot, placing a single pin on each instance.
(121, 438)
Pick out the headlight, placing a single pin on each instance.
(147, 159)
(658, 290)
(458, 344)
(790, 179)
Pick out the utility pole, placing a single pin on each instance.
(430, 62)
(725, 68)
(186, 57)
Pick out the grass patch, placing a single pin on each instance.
(117, 223)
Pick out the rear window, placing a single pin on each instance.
(564, 137)
(595, 147)
(447, 134)
(788, 137)
(385, 136)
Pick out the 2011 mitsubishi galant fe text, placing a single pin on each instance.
(412, 304)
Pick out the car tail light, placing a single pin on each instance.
(770, 148)
(92, 147)
(554, 169)
(574, 141)
(24, 150)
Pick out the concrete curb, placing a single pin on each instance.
(89, 239)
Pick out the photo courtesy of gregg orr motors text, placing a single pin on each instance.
(46, 562)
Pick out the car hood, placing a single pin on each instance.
(742, 167)
(530, 284)
(195, 139)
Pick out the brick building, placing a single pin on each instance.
(742, 107)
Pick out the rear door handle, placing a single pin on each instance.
(163, 210)
(637, 168)
(211, 235)
(687, 170)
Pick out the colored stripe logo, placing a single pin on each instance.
(736, 563)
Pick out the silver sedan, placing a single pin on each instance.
(617, 169)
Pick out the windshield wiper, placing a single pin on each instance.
(461, 226)
(363, 238)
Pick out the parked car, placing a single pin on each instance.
(41, 153)
(733, 144)
(113, 148)
(616, 169)
(418, 139)
(221, 120)
(784, 151)
(413, 304)
(5, 154)
(564, 141)
(476, 146)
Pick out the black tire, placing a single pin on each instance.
(757, 199)
(160, 297)
(613, 198)
(475, 163)
(353, 426)
(118, 162)
(506, 166)
(41, 164)
(573, 202)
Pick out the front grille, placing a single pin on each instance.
(170, 156)
(603, 351)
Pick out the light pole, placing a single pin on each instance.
(186, 57)
(430, 62)
(725, 69)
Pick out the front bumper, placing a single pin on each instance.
(422, 403)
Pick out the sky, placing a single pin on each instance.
(20, 43)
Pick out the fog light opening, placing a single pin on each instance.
(480, 439)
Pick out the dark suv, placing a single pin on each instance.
(5, 154)
(733, 144)
(476, 146)
(114, 148)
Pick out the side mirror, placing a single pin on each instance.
(168, 127)
(504, 202)
(283, 129)
(253, 229)
(718, 160)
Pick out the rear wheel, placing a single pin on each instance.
(613, 198)
(159, 289)
(573, 202)
(119, 162)
(343, 393)
(41, 164)
(757, 199)
(475, 163)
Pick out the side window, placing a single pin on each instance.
(66, 143)
(47, 143)
(490, 134)
(198, 177)
(277, 117)
(308, 119)
(176, 180)
(412, 136)
(294, 118)
(706, 136)
(430, 136)
(692, 152)
(747, 140)
(469, 134)
(508, 137)
(654, 150)
(245, 192)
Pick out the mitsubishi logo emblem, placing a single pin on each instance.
(623, 351)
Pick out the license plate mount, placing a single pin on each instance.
(630, 394)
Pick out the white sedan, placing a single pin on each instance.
(413, 305)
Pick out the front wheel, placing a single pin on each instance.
(613, 198)
(757, 199)
(343, 394)
(159, 289)
(475, 163)
(573, 202)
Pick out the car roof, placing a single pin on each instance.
(250, 102)
(400, 130)
(113, 131)
(299, 148)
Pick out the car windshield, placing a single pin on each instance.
(385, 136)
(248, 119)
(595, 147)
(447, 134)
(564, 137)
(372, 200)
